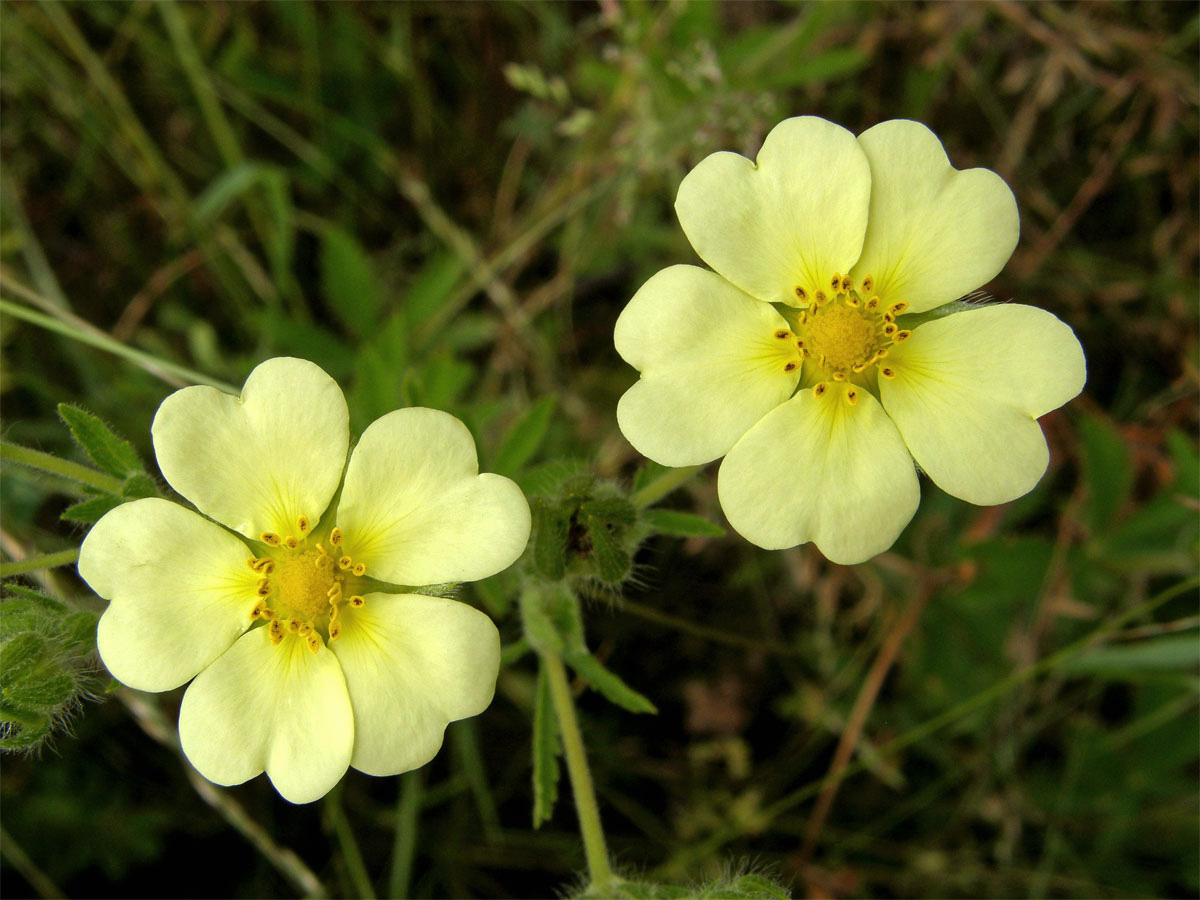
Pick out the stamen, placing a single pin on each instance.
(334, 593)
(271, 538)
(790, 367)
(902, 336)
(847, 282)
(896, 308)
(275, 632)
(357, 602)
(335, 628)
(820, 389)
(868, 284)
(290, 542)
(333, 613)
(335, 537)
(314, 642)
(819, 298)
(887, 372)
(836, 281)
(839, 376)
(260, 611)
(302, 524)
(293, 625)
(264, 587)
(890, 328)
(782, 334)
(852, 396)
(359, 569)
(873, 303)
(345, 562)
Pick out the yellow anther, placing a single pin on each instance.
(302, 524)
(293, 625)
(334, 593)
(836, 281)
(888, 317)
(853, 301)
(275, 632)
(305, 628)
(902, 336)
(868, 284)
(335, 628)
(820, 389)
(290, 542)
(880, 354)
(887, 372)
(333, 613)
(852, 396)
(359, 569)
(801, 294)
(335, 537)
(802, 316)
(890, 328)
(873, 303)
(314, 641)
(357, 602)
(264, 587)
(270, 537)
(259, 611)
(896, 308)
(345, 562)
(819, 298)
(847, 283)
(839, 376)
(790, 367)
(266, 566)
(252, 562)
(783, 334)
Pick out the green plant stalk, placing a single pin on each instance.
(663, 485)
(408, 811)
(47, 561)
(349, 845)
(594, 848)
(64, 468)
(171, 373)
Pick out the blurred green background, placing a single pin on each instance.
(448, 204)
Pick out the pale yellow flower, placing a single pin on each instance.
(802, 358)
(309, 649)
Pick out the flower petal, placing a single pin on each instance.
(260, 461)
(281, 709)
(968, 390)
(818, 469)
(413, 664)
(179, 589)
(415, 510)
(935, 233)
(793, 218)
(710, 361)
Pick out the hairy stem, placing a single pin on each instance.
(34, 563)
(64, 468)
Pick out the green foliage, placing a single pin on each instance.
(114, 455)
(546, 748)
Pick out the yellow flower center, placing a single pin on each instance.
(846, 335)
(302, 587)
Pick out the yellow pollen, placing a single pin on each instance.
(304, 588)
(843, 336)
(846, 334)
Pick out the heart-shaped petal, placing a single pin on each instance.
(262, 461)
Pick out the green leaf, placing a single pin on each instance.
(348, 281)
(607, 683)
(1106, 471)
(111, 453)
(546, 749)
(30, 676)
(89, 511)
(525, 437)
(550, 530)
(138, 486)
(1170, 652)
(680, 524)
(612, 563)
(613, 510)
(223, 190)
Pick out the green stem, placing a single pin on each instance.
(47, 561)
(64, 468)
(348, 844)
(599, 868)
(171, 373)
(663, 485)
(408, 810)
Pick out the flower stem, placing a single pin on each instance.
(408, 811)
(663, 485)
(346, 840)
(64, 468)
(46, 561)
(599, 868)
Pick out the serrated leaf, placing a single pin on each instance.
(111, 453)
(525, 437)
(545, 751)
(680, 524)
(348, 281)
(89, 511)
(608, 683)
(30, 676)
(612, 563)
